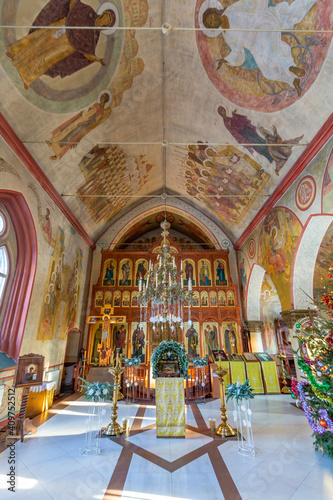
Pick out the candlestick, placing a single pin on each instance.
(224, 429)
(115, 429)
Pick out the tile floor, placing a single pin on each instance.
(50, 464)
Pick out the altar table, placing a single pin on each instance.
(170, 407)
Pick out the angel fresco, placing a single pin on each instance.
(270, 144)
(70, 133)
(60, 52)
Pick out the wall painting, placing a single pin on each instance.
(267, 71)
(278, 239)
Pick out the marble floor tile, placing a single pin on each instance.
(196, 481)
(136, 486)
(307, 492)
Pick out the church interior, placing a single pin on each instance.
(166, 233)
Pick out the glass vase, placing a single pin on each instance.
(242, 416)
(93, 429)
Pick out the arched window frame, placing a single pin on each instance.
(5, 244)
(4, 276)
(23, 275)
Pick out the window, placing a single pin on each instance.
(2, 224)
(4, 267)
(4, 254)
(18, 261)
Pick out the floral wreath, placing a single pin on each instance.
(172, 350)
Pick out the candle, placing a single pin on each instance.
(117, 358)
(140, 284)
(156, 280)
(112, 359)
(190, 285)
(219, 362)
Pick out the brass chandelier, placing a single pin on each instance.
(163, 298)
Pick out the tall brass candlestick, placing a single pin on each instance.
(115, 429)
(285, 389)
(224, 429)
(84, 360)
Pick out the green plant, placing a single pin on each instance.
(169, 349)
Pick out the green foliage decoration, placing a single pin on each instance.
(199, 362)
(132, 361)
(170, 350)
(239, 391)
(95, 391)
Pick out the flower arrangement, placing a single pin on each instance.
(239, 391)
(96, 391)
(132, 361)
(169, 349)
(199, 362)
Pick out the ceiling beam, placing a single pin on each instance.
(28, 161)
(319, 140)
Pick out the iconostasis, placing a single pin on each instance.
(215, 312)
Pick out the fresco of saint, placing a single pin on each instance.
(60, 52)
(223, 178)
(68, 134)
(272, 146)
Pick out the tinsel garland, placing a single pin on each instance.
(322, 413)
(323, 398)
(294, 387)
(320, 387)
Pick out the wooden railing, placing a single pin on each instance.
(197, 384)
(136, 382)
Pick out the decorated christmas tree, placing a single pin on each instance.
(315, 360)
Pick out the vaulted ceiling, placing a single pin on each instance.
(157, 103)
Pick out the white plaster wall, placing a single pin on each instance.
(253, 293)
(306, 260)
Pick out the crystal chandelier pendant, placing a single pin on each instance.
(162, 299)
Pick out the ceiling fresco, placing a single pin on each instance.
(116, 110)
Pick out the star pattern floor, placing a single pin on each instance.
(50, 465)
